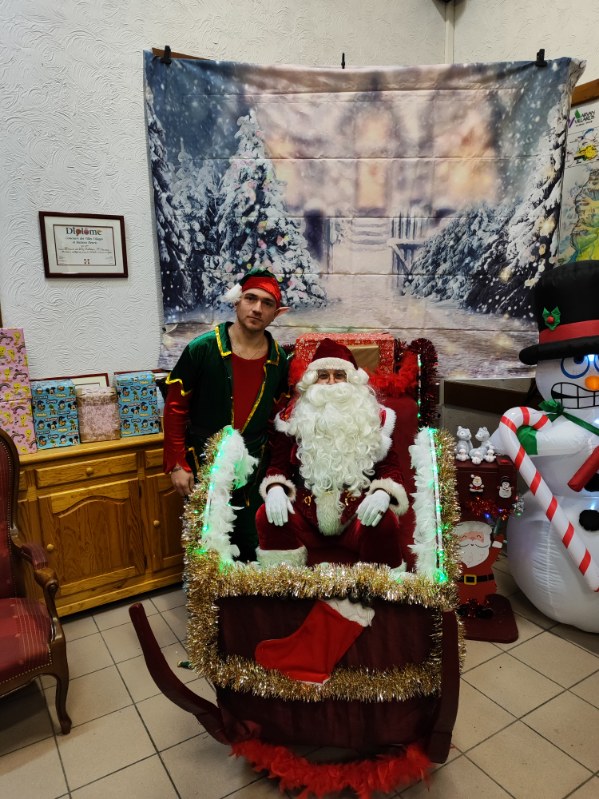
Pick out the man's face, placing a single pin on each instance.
(256, 310)
(331, 376)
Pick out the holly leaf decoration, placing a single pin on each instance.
(552, 318)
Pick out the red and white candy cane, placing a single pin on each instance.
(575, 546)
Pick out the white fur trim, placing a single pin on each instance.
(280, 425)
(399, 499)
(390, 419)
(332, 363)
(386, 430)
(274, 557)
(277, 479)
(233, 295)
(328, 513)
(353, 611)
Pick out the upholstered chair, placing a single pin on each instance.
(32, 641)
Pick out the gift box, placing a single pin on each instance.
(17, 420)
(137, 403)
(55, 420)
(14, 371)
(372, 351)
(98, 414)
(486, 490)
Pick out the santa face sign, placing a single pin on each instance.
(474, 540)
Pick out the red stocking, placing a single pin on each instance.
(311, 652)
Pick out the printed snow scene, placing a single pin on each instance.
(422, 201)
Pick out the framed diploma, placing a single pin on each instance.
(74, 245)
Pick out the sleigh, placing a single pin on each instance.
(391, 700)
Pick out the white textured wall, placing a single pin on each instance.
(73, 140)
(503, 30)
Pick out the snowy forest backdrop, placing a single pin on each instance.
(423, 201)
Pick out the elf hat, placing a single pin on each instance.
(332, 355)
(567, 312)
(256, 278)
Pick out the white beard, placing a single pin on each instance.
(338, 430)
(472, 554)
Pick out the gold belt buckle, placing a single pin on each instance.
(470, 579)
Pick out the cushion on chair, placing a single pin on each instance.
(25, 629)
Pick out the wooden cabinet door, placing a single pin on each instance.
(165, 507)
(94, 537)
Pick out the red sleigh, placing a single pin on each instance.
(392, 699)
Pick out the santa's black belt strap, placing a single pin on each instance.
(473, 579)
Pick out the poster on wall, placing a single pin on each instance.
(579, 223)
(422, 201)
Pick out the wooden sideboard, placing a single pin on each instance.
(107, 516)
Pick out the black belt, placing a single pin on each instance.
(473, 579)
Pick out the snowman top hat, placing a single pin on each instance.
(567, 313)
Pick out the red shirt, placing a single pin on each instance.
(248, 376)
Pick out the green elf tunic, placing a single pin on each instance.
(203, 399)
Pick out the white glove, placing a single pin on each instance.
(372, 508)
(278, 506)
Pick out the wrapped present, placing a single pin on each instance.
(135, 387)
(98, 414)
(55, 420)
(14, 371)
(137, 403)
(372, 351)
(17, 420)
(137, 426)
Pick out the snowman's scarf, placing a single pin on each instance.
(554, 409)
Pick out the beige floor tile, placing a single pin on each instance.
(269, 789)
(172, 598)
(88, 654)
(512, 684)
(24, 718)
(78, 627)
(460, 779)
(506, 585)
(571, 724)
(123, 643)
(561, 661)
(202, 769)
(104, 746)
(147, 779)
(478, 652)
(589, 641)
(527, 765)
(117, 614)
(588, 689)
(478, 718)
(522, 606)
(33, 772)
(167, 723)
(590, 790)
(176, 618)
(92, 696)
(137, 677)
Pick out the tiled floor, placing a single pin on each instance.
(527, 727)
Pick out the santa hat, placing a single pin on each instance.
(332, 355)
(256, 278)
(567, 312)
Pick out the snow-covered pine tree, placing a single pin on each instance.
(195, 191)
(173, 242)
(255, 228)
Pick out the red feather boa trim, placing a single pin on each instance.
(384, 773)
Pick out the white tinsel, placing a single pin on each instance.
(426, 500)
(231, 468)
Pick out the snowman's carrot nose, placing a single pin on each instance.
(592, 383)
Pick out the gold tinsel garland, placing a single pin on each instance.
(208, 579)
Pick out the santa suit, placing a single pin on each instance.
(318, 522)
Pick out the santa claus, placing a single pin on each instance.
(333, 473)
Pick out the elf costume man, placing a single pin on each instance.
(334, 475)
(232, 375)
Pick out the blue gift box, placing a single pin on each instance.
(52, 389)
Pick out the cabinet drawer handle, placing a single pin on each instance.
(49, 547)
(156, 523)
(89, 471)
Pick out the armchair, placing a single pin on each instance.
(32, 641)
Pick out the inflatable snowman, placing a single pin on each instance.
(553, 547)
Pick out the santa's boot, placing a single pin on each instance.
(311, 652)
(274, 557)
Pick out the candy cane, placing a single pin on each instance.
(575, 546)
